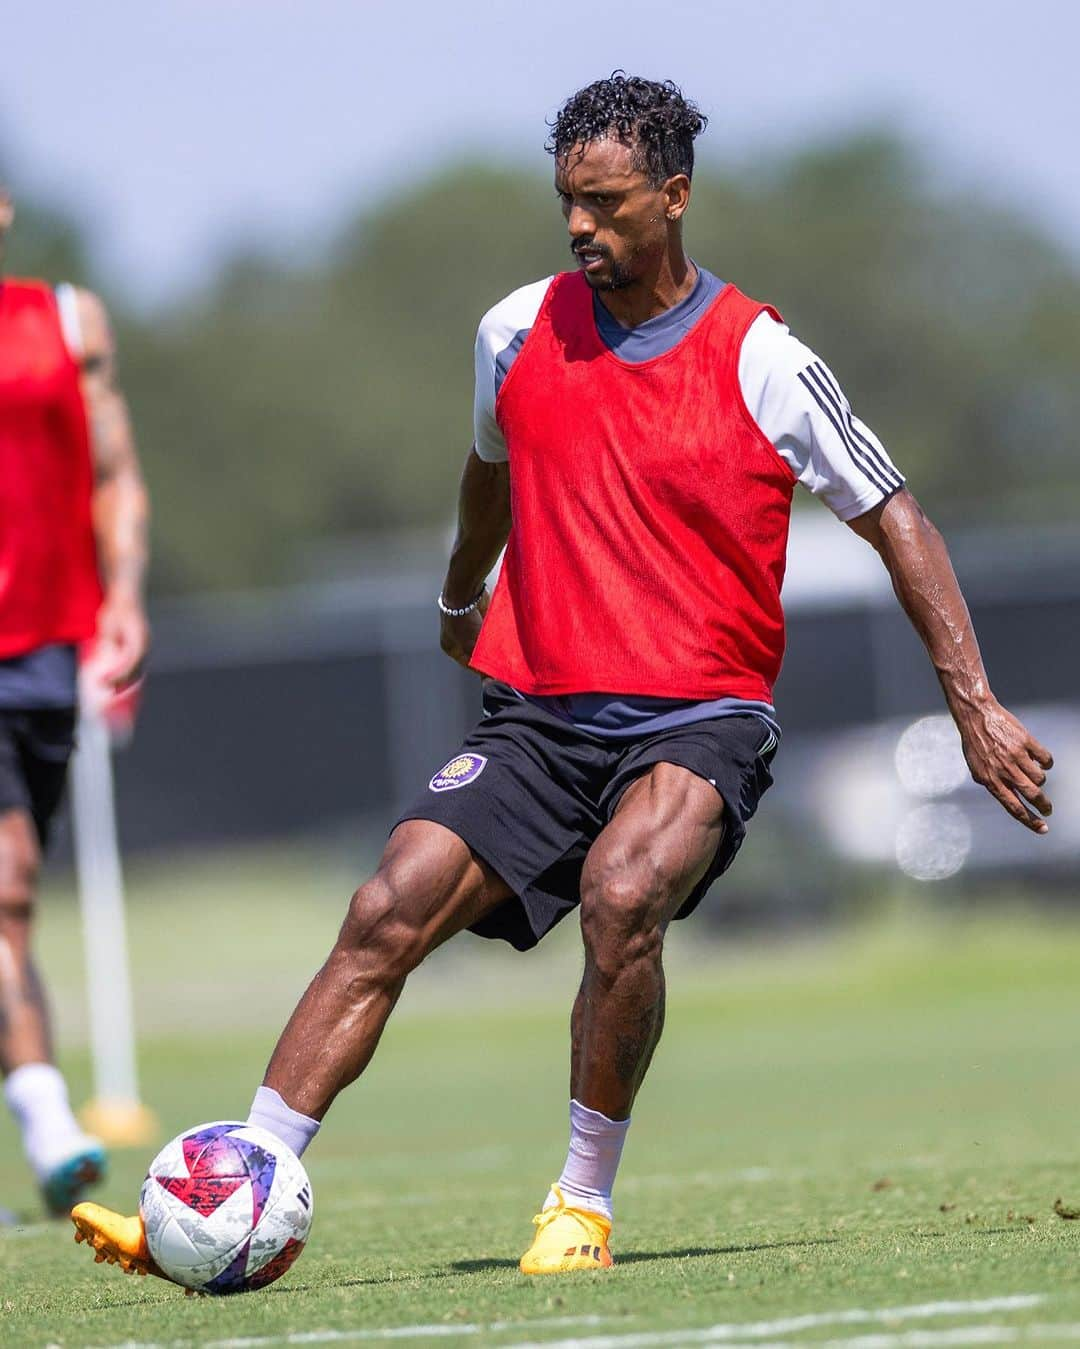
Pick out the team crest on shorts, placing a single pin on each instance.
(459, 772)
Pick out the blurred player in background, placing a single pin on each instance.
(640, 426)
(72, 556)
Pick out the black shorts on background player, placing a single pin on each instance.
(35, 746)
(529, 793)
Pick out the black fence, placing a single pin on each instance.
(316, 708)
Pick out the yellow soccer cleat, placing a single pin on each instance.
(119, 1240)
(567, 1239)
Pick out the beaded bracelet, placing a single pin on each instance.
(444, 608)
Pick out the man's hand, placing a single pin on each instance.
(123, 639)
(1003, 757)
(457, 636)
(1006, 759)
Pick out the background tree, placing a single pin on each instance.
(287, 405)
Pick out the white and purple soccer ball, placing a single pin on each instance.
(227, 1208)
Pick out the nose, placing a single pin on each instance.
(579, 222)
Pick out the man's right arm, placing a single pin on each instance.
(484, 498)
(120, 506)
(482, 531)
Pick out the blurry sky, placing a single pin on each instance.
(174, 127)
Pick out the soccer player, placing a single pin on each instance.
(72, 555)
(640, 426)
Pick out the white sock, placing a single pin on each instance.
(596, 1145)
(37, 1096)
(270, 1112)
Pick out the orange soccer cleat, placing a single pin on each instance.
(114, 1238)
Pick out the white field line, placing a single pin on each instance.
(300, 1337)
(955, 1336)
(756, 1331)
(732, 1335)
(959, 1337)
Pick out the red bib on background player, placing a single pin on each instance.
(49, 587)
(650, 515)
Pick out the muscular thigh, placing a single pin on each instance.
(433, 883)
(660, 841)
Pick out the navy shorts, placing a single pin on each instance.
(35, 746)
(529, 792)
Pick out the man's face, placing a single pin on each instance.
(618, 221)
(7, 215)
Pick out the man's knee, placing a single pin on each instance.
(623, 914)
(379, 930)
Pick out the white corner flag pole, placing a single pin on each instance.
(115, 1114)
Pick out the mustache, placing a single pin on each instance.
(587, 245)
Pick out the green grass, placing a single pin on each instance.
(878, 1120)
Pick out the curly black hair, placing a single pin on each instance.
(651, 117)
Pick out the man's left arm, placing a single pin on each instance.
(1004, 757)
(120, 505)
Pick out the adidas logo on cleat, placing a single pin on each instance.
(550, 1253)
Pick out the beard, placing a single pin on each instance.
(619, 274)
(618, 278)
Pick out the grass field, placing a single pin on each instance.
(856, 1142)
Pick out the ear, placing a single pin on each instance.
(676, 196)
(676, 193)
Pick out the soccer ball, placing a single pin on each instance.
(226, 1207)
